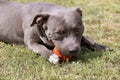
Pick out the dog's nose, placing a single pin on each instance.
(73, 51)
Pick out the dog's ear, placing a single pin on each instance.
(40, 19)
(79, 10)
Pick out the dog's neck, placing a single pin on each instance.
(43, 36)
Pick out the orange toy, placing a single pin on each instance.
(63, 58)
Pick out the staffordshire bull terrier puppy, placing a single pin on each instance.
(42, 26)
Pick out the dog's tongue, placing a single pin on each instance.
(63, 58)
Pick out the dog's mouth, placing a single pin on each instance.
(62, 57)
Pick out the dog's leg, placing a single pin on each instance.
(39, 49)
(44, 52)
(34, 43)
(92, 45)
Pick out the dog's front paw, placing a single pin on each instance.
(100, 47)
(54, 59)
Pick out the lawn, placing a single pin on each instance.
(102, 23)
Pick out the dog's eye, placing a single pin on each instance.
(76, 30)
(60, 33)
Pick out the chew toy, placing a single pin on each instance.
(62, 57)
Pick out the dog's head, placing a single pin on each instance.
(63, 29)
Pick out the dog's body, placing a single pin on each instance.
(43, 26)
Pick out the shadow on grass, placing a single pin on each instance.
(87, 55)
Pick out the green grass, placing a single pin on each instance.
(102, 23)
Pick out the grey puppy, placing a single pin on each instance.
(42, 26)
